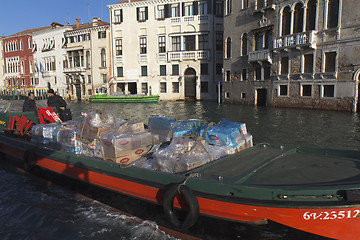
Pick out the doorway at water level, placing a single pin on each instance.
(190, 84)
(260, 98)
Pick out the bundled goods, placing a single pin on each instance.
(184, 154)
(168, 128)
(44, 134)
(226, 133)
(95, 123)
(127, 143)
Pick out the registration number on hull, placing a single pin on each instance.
(325, 215)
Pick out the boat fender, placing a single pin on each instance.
(29, 160)
(193, 206)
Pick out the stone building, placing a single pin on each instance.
(2, 68)
(87, 60)
(49, 54)
(172, 48)
(292, 53)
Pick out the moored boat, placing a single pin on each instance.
(132, 98)
(311, 189)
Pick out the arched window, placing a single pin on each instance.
(244, 44)
(333, 13)
(103, 58)
(298, 18)
(311, 15)
(228, 47)
(286, 16)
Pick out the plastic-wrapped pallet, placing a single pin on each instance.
(168, 128)
(230, 134)
(95, 123)
(184, 154)
(44, 134)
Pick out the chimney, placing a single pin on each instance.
(78, 22)
(95, 21)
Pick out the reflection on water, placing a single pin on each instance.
(30, 210)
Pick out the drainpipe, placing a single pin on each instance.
(356, 94)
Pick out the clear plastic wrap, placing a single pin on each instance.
(185, 154)
(168, 128)
(44, 134)
(95, 123)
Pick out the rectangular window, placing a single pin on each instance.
(258, 73)
(243, 95)
(163, 87)
(219, 9)
(118, 18)
(219, 41)
(283, 90)
(259, 39)
(143, 71)
(333, 13)
(330, 62)
(244, 74)
(189, 43)
(176, 43)
(306, 90)
(203, 42)
(188, 9)
(160, 12)
(142, 13)
(328, 91)
(143, 48)
(204, 69)
(219, 68)
(308, 63)
(120, 71)
(267, 73)
(89, 79)
(102, 34)
(162, 70)
(162, 45)
(228, 76)
(144, 88)
(204, 87)
(118, 47)
(175, 69)
(203, 8)
(245, 4)
(104, 78)
(23, 81)
(175, 87)
(284, 65)
(175, 10)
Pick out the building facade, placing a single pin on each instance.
(172, 48)
(2, 72)
(87, 60)
(292, 53)
(49, 55)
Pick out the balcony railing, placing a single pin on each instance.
(74, 69)
(296, 40)
(201, 18)
(189, 55)
(260, 56)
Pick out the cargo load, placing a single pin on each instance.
(168, 128)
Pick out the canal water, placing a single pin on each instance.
(30, 209)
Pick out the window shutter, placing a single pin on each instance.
(195, 8)
(137, 13)
(167, 10)
(121, 15)
(146, 13)
(183, 9)
(156, 12)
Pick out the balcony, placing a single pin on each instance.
(12, 75)
(188, 55)
(186, 19)
(260, 56)
(297, 40)
(74, 69)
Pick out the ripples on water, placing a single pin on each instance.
(31, 210)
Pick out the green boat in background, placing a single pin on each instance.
(132, 98)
